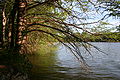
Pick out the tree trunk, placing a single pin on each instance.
(19, 26)
(2, 27)
(21, 22)
(1, 31)
(13, 25)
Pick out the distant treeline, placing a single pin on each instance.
(100, 37)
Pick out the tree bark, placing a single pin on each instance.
(13, 30)
(1, 32)
(2, 27)
(21, 22)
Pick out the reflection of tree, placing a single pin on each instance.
(46, 56)
(44, 62)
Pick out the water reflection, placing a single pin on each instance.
(60, 64)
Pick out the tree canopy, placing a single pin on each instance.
(26, 22)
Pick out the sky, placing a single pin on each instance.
(95, 16)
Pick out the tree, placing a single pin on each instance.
(49, 18)
(111, 6)
(25, 22)
(1, 23)
(118, 28)
(102, 27)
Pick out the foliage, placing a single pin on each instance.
(112, 6)
(118, 28)
(102, 28)
(102, 37)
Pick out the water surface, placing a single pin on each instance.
(60, 64)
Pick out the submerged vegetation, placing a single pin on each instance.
(26, 25)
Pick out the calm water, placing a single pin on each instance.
(60, 64)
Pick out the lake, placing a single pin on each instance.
(60, 64)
